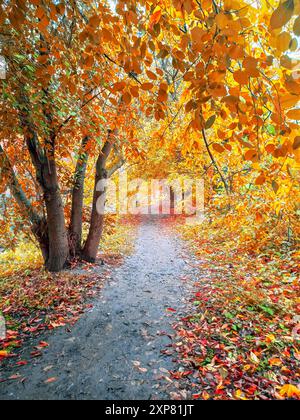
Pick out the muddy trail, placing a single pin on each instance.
(118, 349)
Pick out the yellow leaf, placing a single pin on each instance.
(283, 41)
(289, 391)
(240, 395)
(205, 395)
(254, 358)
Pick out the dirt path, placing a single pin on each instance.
(115, 350)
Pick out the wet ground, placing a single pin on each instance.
(119, 349)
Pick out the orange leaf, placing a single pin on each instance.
(270, 148)
(282, 14)
(147, 86)
(275, 361)
(241, 77)
(151, 75)
(251, 155)
(126, 98)
(197, 34)
(293, 114)
(218, 147)
(162, 96)
(296, 143)
(155, 18)
(119, 86)
(261, 179)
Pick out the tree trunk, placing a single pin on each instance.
(57, 233)
(40, 231)
(43, 159)
(75, 229)
(91, 246)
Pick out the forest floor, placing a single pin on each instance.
(119, 348)
(206, 318)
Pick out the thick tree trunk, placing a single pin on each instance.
(91, 246)
(57, 232)
(43, 159)
(75, 229)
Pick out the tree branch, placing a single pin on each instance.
(16, 189)
(213, 161)
(115, 167)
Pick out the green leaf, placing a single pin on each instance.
(228, 315)
(267, 309)
(271, 129)
(210, 122)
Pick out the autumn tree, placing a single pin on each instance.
(55, 105)
(216, 82)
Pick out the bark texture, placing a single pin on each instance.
(91, 246)
(75, 230)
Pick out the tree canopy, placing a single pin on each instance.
(202, 88)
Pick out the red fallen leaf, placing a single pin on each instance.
(5, 311)
(171, 310)
(11, 343)
(22, 363)
(11, 334)
(31, 329)
(3, 353)
(16, 376)
(35, 354)
(43, 344)
(50, 380)
(36, 320)
(251, 389)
